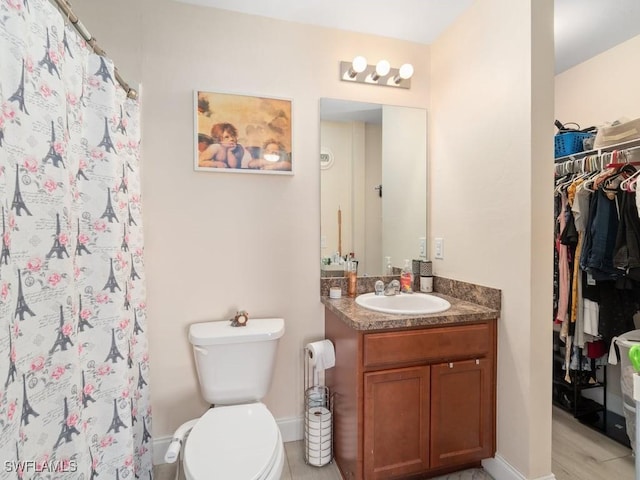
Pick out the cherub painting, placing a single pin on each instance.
(239, 133)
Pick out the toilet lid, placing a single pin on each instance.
(239, 441)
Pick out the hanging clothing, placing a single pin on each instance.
(598, 238)
(580, 211)
(563, 269)
(591, 318)
(617, 308)
(627, 247)
(597, 254)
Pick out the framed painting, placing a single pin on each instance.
(242, 134)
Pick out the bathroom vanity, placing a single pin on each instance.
(414, 396)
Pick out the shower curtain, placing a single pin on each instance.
(74, 369)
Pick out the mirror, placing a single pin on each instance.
(373, 185)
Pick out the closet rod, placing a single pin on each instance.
(64, 6)
(596, 161)
(615, 158)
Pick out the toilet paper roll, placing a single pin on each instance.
(318, 415)
(319, 461)
(318, 435)
(316, 396)
(322, 355)
(316, 444)
(319, 453)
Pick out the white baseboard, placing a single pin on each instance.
(160, 445)
(290, 429)
(500, 469)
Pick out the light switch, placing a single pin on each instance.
(423, 248)
(439, 248)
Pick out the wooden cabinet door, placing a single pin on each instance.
(461, 412)
(396, 422)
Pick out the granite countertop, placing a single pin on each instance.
(360, 318)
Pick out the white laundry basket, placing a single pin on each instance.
(624, 343)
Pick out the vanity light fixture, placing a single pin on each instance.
(380, 74)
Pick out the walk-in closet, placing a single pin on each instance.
(597, 286)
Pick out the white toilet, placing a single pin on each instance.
(237, 439)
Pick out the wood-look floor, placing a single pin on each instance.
(579, 453)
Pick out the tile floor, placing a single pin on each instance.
(296, 469)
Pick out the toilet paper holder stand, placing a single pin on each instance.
(318, 418)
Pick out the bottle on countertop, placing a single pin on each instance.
(352, 277)
(406, 278)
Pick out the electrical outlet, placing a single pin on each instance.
(423, 247)
(323, 241)
(439, 248)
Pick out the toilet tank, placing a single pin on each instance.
(235, 364)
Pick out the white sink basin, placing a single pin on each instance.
(404, 303)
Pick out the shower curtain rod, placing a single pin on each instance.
(64, 6)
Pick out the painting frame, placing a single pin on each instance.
(242, 133)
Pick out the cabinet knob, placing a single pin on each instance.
(450, 365)
(477, 361)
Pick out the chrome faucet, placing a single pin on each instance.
(378, 287)
(393, 288)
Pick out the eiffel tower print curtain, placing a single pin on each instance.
(74, 399)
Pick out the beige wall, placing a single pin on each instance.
(491, 198)
(218, 242)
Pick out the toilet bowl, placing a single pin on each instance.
(234, 442)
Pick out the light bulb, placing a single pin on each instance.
(382, 68)
(406, 71)
(359, 64)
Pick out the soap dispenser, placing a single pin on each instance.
(406, 278)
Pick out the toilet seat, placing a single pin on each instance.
(240, 441)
